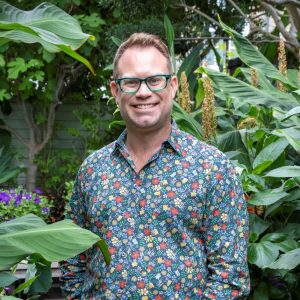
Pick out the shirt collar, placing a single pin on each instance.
(175, 140)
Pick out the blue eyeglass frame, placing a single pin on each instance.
(141, 80)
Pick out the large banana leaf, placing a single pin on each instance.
(22, 223)
(46, 24)
(268, 155)
(235, 88)
(55, 242)
(252, 57)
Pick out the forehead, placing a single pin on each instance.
(142, 62)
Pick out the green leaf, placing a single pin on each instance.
(75, 55)
(294, 111)
(251, 56)
(287, 171)
(262, 254)
(44, 281)
(104, 249)
(4, 95)
(169, 31)
(94, 20)
(8, 174)
(15, 67)
(47, 21)
(116, 41)
(10, 298)
(55, 242)
(291, 134)
(2, 61)
(261, 292)
(46, 24)
(116, 13)
(274, 237)
(24, 285)
(7, 279)
(287, 245)
(268, 155)
(22, 223)
(237, 89)
(266, 197)
(287, 261)
(258, 225)
(186, 122)
(292, 229)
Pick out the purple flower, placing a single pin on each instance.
(8, 290)
(27, 196)
(37, 200)
(18, 199)
(45, 210)
(4, 197)
(38, 191)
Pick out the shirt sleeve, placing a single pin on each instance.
(73, 269)
(225, 234)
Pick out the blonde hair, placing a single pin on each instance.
(142, 40)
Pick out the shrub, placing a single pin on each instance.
(19, 202)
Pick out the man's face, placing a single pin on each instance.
(145, 110)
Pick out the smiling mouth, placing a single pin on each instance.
(144, 106)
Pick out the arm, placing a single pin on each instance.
(73, 268)
(225, 235)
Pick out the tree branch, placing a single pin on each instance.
(51, 113)
(199, 12)
(279, 2)
(239, 10)
(270, 9)
(12, 131)
(202, 38)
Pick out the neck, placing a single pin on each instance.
(143, 145)
(149, 141)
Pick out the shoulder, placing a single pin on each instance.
(206, 158)
(194, 147)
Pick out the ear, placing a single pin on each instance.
(114, 90)
(173, 85)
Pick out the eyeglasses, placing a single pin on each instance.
(154, 83)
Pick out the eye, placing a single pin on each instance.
(154, 81)
(130, 82)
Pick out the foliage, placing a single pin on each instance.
(34, 78)
(95, 119)
(18, 202)
(6, 171)
(259, 130)
(30, 238)
(46, 24)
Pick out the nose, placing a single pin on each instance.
(143, 91)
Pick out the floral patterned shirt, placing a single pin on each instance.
(177, 229)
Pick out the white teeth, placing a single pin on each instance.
(143, 106)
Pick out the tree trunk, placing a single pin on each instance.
(31, 176)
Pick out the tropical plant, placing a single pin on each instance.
(29, 239)
(259, 130)
(7, 172)
(47, 25)
(31, 81)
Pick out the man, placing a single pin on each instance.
(169, 206)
